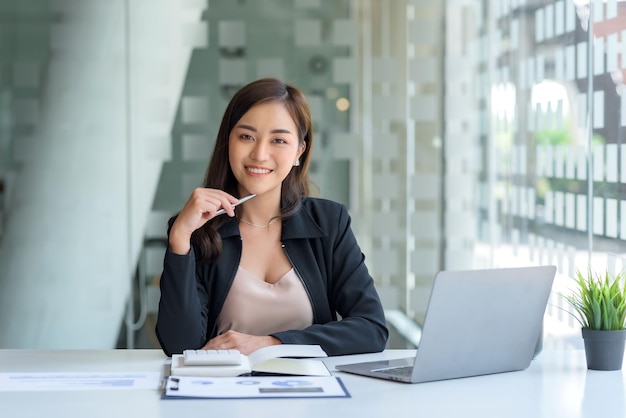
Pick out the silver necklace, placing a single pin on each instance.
(271, 221)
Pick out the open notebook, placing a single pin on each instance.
(282, 359)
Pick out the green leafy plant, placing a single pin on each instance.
(599, 302)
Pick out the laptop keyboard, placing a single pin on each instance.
(403, 371)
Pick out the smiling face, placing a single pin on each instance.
(263, 147)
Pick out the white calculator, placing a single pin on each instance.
(212, 357)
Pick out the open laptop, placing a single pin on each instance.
(477, 322)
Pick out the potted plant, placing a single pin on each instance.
(599, 305)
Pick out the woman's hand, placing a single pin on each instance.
(200, 207)
(246, 344)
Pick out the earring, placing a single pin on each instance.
(297, 163)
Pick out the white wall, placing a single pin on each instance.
(88, 174)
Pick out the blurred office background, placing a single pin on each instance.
(460, 133)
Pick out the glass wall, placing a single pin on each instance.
(544, 90)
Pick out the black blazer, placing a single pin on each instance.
(323, 250)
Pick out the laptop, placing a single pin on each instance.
(477, 322)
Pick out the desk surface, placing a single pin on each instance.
(557, 384)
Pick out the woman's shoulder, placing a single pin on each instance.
(321, 205)
(327, 214)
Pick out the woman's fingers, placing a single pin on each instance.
(245, 343)
(201, 206)
(204, 203)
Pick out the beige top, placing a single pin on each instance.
(256, 307)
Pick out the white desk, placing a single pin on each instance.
(557, 384)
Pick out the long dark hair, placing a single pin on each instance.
(219, 174)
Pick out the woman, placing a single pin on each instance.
(277, 269)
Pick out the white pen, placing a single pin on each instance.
(243, 199)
